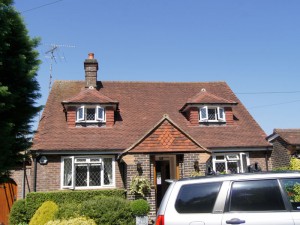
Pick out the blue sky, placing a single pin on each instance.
(252, 45)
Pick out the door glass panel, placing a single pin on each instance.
(67, 171)
(108, 179)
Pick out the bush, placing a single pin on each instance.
(44, 214)
(18, 213)
(74, 221)
(68, 210)
(294, 164)
(109, 211)
(140, 207)
(35, 199)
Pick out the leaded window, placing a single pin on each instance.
(90, 114)
(211, 114)
(87, 172)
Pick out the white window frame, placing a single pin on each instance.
(98, 117)
(88, 161)
(219, 111)
(228, 158)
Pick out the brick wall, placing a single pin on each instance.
(260, 158)
(71, 116)
(228, 115)
(110, 119)
(48, 176)
(18, 176)
(193, 116)
(280, 155)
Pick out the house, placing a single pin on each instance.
(97, 134)
(286, 143)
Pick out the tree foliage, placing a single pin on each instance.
(19, 88)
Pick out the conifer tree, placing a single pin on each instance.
(19, 88)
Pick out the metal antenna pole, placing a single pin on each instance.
(54, 47)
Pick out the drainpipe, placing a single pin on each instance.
(24, 177)
(34, 173)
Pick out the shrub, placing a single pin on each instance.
(74, 221)
(44, 214)
(140, 207)
(108, 210)
(294, 164)
(18, 213)
(35, 199)
(68, 210)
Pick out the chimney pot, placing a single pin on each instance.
(91, 55)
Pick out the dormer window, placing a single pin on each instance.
(90, 114)
(212, 114)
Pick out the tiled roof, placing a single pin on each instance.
(141, 106)
(291, 136)
(205, 97)
(89, 95)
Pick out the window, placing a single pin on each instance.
(256, 195)
(211, 114)
(292, 188)
(197, 198)
(90, 114)
(230, 162)
(85, 172)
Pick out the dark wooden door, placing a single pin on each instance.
(162, 173)
(8, 194)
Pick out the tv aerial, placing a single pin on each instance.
(52, 51)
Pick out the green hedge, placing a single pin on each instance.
(18, 213)
(35, 199)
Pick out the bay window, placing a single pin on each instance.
(87, 172)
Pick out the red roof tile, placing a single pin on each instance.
(141, 106)
(291, 136)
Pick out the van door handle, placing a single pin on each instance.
(235, 221)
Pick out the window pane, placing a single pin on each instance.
(261, 195)
(197, 198)
(90, 114)
(220, 167)
(203, 114)
(292, 187)
(81, 175)
(95, 174)
(100, 113)
(232, 167)
(67, 172)
(212, 114)
(221, 113)
(108, 178)
(80, 115)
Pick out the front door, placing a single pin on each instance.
(8, 194)
(162, 174)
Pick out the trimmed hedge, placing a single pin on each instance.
(18, 213)
(108, 211)
(35, 199)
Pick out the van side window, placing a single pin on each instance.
(292, 188)
(256, 195)
(197, 198)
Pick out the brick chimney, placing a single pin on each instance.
(91, 68)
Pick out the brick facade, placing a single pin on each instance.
(281, 154)
(262, 158)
